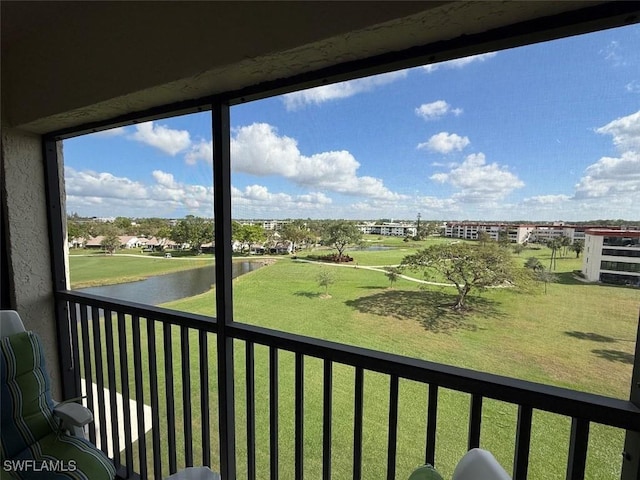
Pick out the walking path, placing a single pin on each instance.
(376, 268)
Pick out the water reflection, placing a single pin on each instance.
(171, 286)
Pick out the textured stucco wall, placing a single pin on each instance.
(28, 240)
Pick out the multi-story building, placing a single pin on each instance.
(612, 256)
(470, 231)
(389, 229)
(269, 225)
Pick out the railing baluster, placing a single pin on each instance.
(273, 412)
(88, 378)
(186, 396)
(137, 374)
(523, 442)
(357, 424)
(75, 347)
(327, 419)
(204, 399)
(475, 421)
(299, 416)
(251, 411)
(124, 378)
(153, 393)
(393, 428)
(168, 383)
(111, 374)
(578, 444)
(432, 423)
(97, 353)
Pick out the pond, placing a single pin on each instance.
(171, 286)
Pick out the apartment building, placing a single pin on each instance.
(470, 231)
(268, 225)
(389, 229)
(612, 256)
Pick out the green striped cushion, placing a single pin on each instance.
(29, 429)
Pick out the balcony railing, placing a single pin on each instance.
(145, 357)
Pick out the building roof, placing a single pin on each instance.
(601, 232)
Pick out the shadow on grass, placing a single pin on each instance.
(307, 294)
(594, 337)
(615, 356)
(568, 278)
(432, 309)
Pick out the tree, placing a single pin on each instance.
(544, 275)
(533, 263)
(325, 278)
(340, 234)
(577, 246)
(518, 248)
(565, 243)
(295, 232)
(467, 266)
(251, 234)
(484, 237)
(123, 224)
(193, 230)
(555, 245)
(392, 274)
(75, 229)
(110, 243)
(503, 238)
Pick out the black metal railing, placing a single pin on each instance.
(129, 351)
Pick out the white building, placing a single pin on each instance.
(612, 256)
(389, 229)
(470, 231)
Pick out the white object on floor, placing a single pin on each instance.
(133, 409)
(478, 464)
(195, 473)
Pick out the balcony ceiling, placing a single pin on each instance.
(70, 63)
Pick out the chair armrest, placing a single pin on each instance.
(73, 414)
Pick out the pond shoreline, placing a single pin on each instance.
(139, 278)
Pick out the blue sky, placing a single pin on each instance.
(544, 132)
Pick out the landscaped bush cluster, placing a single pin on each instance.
(335, 258)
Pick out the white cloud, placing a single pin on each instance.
(164, 179)
(200, 151)
(257, 200)
(612, 177)
(162, 137)
(478, 181)
(437, 109)
(459, 62)
(625, 131)
(102, 185)
(111, 195)
(257, 149)
(633, 87)
(611, 54)
(325, 93)
(546, 200)
(444, 142)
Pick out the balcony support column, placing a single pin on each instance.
(224, 298)
(631, 453)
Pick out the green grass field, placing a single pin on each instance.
(94, 269)
(577, 335)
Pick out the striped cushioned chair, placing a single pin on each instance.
(34, 445)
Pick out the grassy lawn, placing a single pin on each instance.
(95, 269)
(577, 335)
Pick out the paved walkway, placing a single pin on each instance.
(375, 268)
